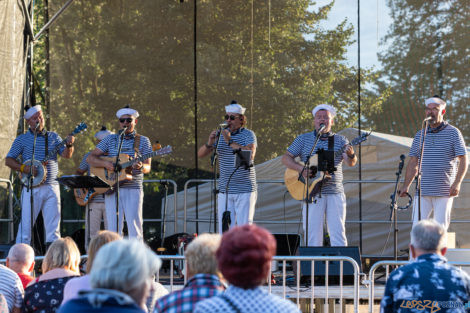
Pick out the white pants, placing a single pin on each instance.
(334, 206)
(442, 209)
(97, 213)
(47, 199)
(240, 205)
(130, 203)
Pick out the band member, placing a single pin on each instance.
(46, 197)
(96, 207)
(331, 199)
(443, 165)
(131, 192)
(242, 189)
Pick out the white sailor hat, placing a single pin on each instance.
(103, 133)
(435, 99)
(30, 111)
(234, 107)
(326, 107)
(127, 111)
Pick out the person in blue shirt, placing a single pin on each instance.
(443, 167)
(429, 284)
(242, 189)
(46, 195)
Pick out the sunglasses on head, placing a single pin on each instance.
(127, 119)
(231, 117)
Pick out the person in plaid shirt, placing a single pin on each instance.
(204, 281)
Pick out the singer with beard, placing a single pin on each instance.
(331, 201)
(242, 189)
(47, 195)
(131, 194)
(443, 167)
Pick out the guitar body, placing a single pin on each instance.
(298, 188)
(110, 177)
(84, 195)
(40, 175)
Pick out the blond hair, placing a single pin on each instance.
(99, 240)
(200, 254)
(63, 253)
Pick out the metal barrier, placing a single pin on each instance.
(9, 220)
(387, 264)
(312, 290)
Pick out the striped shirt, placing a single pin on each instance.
(84, 166)
(439, 165)
(23, 146)
(110, 146)
(302, 146)
(11, 287)
(244, 180)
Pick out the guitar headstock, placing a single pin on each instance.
(164, 150)
(80, 127)
(361, 138)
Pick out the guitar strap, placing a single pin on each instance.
(136, 144)
(331, 143)
(47, 145)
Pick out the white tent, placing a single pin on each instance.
(279, 213)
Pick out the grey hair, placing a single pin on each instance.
(200, 254)
(428, 235)
(21, 253)
(123, 265)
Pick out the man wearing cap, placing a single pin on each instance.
(47, 195)
(443, 166)
(331, 200)
(131, 193)
(95, 207)
(242, 190)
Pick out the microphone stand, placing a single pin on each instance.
(29, 188)
(117, 168)
(215, 191)
(394, 207)
(420, 162)
(307, 195)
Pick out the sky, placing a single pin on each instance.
(375, 21)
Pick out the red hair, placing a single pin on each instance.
(244, 256)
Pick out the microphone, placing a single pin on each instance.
(37, 125)
(322, 127)
(427, 119)
(223, 125)
(402, 162)
(123, 130)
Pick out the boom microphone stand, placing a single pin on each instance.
(301, 178)
(214, 157)
(424, 132)
(29, 188)
(394, 207)
(117, 168)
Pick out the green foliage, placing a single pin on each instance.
(427, 55)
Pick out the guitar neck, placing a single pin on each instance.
(55, 150)
(140, 159)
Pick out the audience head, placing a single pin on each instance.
(63, 253)
(245, 255)
(428, 236)
(125, 265)
(99, 240)
(21, 258)
(200, 254)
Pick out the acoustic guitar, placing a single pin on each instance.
(297, 186)
(125, 172)
(84, 195)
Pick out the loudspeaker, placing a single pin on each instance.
(333, 266)
(287, 244)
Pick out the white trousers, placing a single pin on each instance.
(97, 211)
(47, 199)
(442, 207)
(240, 205)
(130, 207)
(334, 206)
